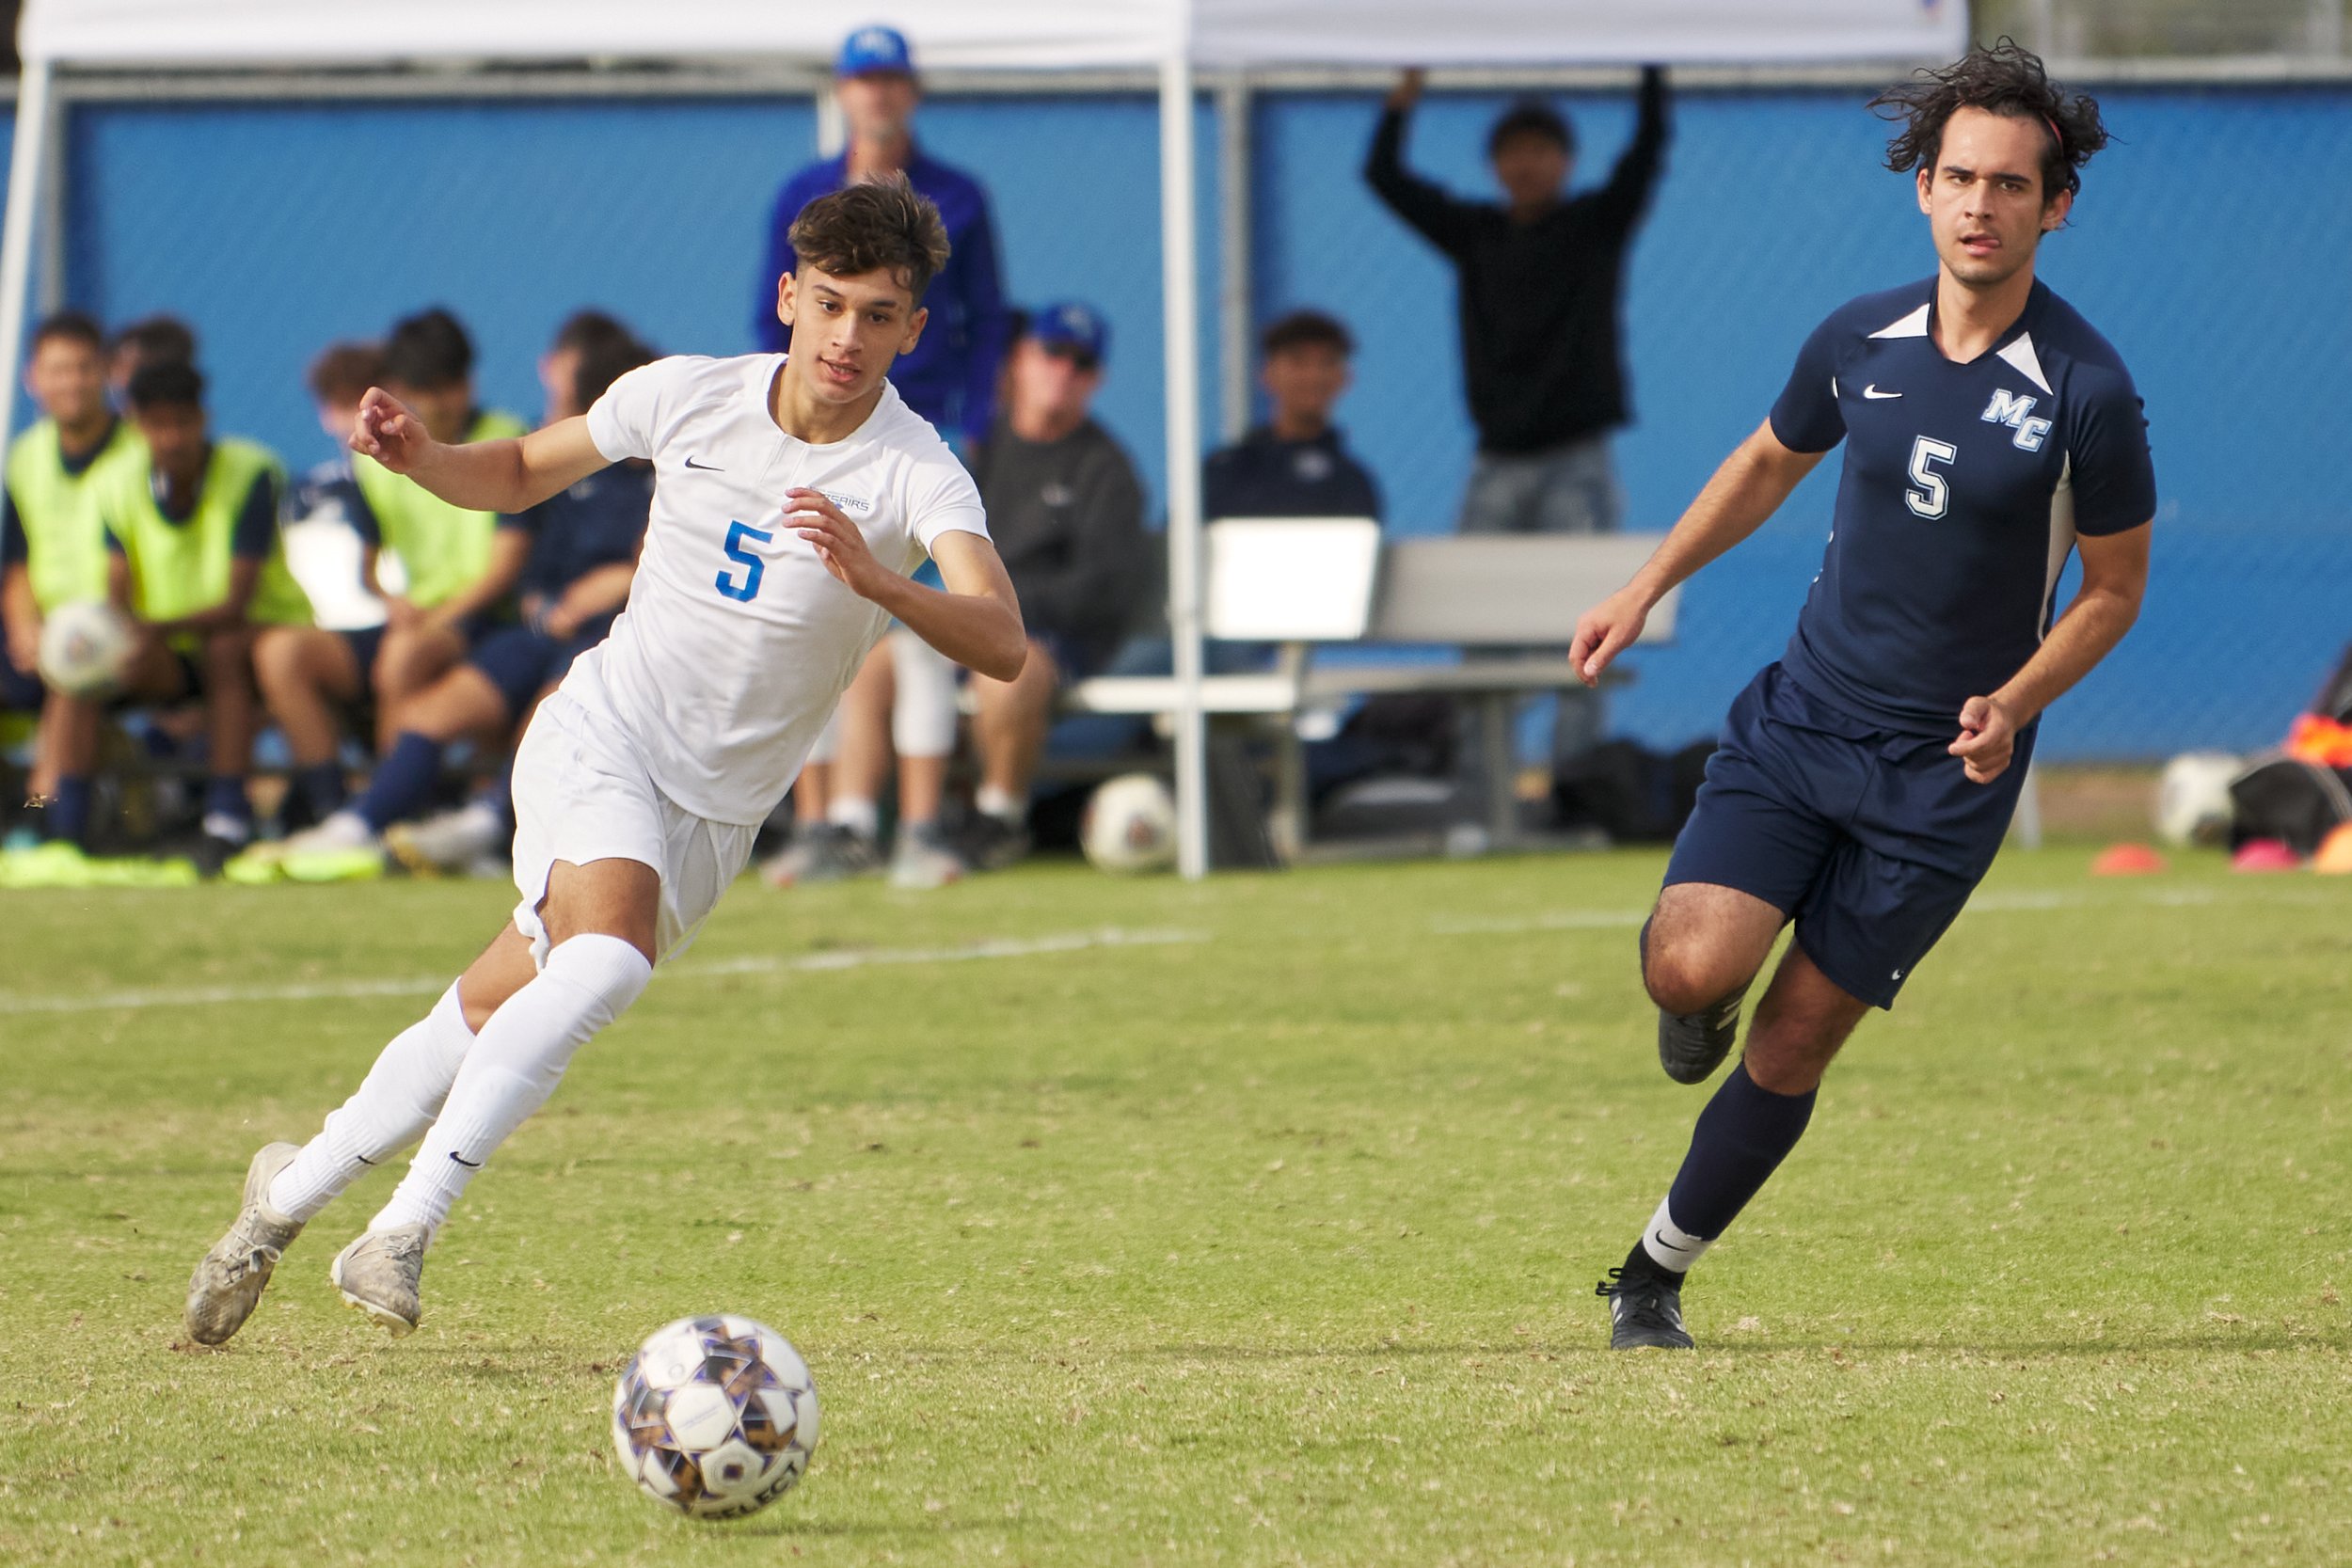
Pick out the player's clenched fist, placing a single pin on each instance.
(1606, 628)
(839, 543)
(1988, 737)
(389, 431)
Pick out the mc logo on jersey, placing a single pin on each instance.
(2008, 410)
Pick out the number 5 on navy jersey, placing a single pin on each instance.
(1934, 497)
(754, 567)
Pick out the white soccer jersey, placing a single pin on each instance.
(736, 643)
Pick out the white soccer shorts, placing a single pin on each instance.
(581, 795)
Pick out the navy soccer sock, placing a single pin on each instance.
(1741, 1139)
(68, 821)
(403, 782)
(499, 797)
(226, 796)
(319, 786)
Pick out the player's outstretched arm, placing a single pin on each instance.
(976, 622)
(482, 476)
(2115, 578)
(1746, 489)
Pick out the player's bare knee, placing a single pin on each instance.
(290, 665)
(617, 897)
(1678, 972)
(1683, 982)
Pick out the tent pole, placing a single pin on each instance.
(1235, 198)
(49, 289)
(25, 161)
(1180, 317)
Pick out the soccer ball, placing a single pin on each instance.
(83, 648)
(2193, 804)
(1130, 825)
(715, 1416)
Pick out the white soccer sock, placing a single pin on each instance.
(1669, 1246)
(862, 817)
(1001, 804)
(390, 1109)
(515, 1063)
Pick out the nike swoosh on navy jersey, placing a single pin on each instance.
(707, 468)
(1870, 391)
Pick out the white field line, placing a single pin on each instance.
(1550, 920)
(755, 963)
(2024, 901)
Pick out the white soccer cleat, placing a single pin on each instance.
(451, 842)
(825, 852)
(925, 859)
(228, 1281)
(345, 830)
(380, 1274)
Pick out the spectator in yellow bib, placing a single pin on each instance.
(196, 561)
(447, 585)
(53, 552)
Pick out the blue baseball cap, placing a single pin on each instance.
(874, 50)
(1073, 327)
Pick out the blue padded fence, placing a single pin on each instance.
(2210, 244)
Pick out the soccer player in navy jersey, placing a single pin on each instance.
(1864, 782)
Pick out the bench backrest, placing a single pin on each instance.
(1330, 579)
(1290, 580)
(1496, 589)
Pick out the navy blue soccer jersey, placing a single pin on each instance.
(599, 522)
(1963, 490)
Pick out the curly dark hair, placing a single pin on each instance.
(2003, 80)
(881, 224)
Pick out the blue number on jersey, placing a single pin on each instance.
(754, 567)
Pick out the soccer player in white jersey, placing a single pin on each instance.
(793, 496)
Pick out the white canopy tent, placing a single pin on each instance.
(1175, 36)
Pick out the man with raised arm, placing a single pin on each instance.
(1865, 781)
(793, 496)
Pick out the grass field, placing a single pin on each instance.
(1132, 1223)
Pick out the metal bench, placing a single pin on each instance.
(1310, 585)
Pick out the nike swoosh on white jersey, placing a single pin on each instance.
(1871, 392)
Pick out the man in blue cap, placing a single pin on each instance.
(950, 376)
(1066, 510)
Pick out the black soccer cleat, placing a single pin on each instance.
(1691, 1046)
(989, 843)
(1644, 1312)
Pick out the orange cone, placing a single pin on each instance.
(2335, 853)
(2127, 860)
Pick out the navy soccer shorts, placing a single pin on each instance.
(21, 691)
(364, 644)
(1869, 839)
(518, 662)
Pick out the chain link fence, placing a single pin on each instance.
(2209, 244)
